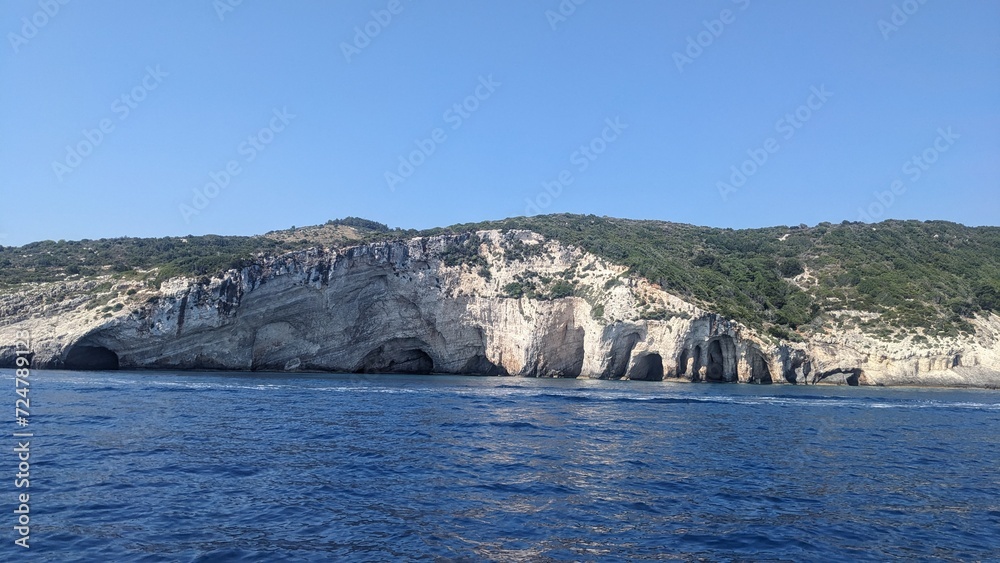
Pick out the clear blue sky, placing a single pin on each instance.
(683, 122)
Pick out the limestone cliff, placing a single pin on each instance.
(491, 303)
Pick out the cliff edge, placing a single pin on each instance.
(489, 302)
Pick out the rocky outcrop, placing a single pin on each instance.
(453, 304)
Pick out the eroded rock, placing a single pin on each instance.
(411, 307)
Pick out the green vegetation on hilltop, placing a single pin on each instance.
(360, 223)
(932, 276)
(197, 255)
(172, 256)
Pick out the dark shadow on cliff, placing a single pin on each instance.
(405, 355)
(759, 371)
(851, 377)
(89, 357)
(621, 351)
(647, 368)
(721, 364)
(479, 365)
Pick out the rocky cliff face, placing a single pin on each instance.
(486, 303)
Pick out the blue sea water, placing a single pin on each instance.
(156, 466)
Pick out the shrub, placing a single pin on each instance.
(560, 289)
(514, 289)
(791, 268)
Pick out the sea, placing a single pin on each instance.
(182, 466)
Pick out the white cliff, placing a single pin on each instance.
(445, 305)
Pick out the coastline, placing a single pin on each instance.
(374, 376)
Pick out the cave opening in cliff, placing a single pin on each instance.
(854, 377)
(415, 361)
(86, 357)
(399, 356)
(721, 360)
(790, 372)
(682, 363)
(759, 372)
(647, 368)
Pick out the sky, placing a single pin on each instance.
(157, 118)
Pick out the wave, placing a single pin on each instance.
(592, 393)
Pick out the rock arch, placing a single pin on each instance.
(720, 362)
(840, 376)
(401, 355)
(621, 351)
(90, 357)
(759, 371)
(647, 367)
(682, 363)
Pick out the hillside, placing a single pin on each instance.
(890, 279)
